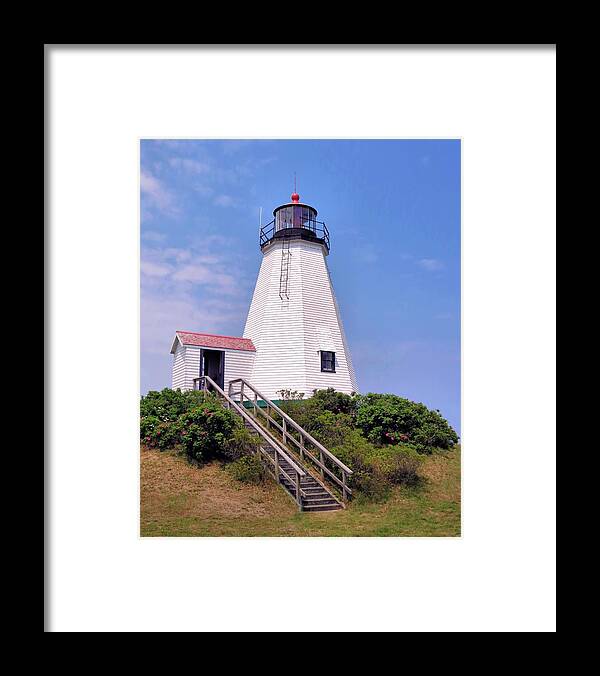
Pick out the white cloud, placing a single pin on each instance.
(152, 236)
(224, 201)
(187, 289)
(178, 255)
(173, 270)
(430, 264)
(189, 165)
(198, 274)
(154, 270)
(164, 313)
(158, 196)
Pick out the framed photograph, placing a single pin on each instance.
(300, 327)
(303, 411)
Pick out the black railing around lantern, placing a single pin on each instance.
(310, 230)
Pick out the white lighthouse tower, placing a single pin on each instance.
(294, 320)
(293, 338)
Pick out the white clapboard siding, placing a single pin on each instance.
(323, 325)
(288, 333)
(238, 364)
(178, 380)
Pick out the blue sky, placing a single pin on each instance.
(392, 208)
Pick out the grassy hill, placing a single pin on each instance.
(178, 499)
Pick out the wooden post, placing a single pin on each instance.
(242, 393)
(302, 445)
(276, 467)
(344, 494)
(322, 463)
(298, 496)
(284, 432)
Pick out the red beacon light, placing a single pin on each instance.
(295, 197)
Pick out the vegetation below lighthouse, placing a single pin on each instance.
(390, 443)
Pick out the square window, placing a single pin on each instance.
(328, 361)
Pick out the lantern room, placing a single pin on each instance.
(294, 220)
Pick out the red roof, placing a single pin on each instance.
(212, 340)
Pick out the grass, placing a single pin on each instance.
(178, 499)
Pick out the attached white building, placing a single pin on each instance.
(223, 358)
(293, 337)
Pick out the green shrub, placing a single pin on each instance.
(331, 429)
(241, 443)
(399, 464)
(160, 416)
(148, 425)
(158, 434)
(388, 419)
(371, 485)
(335, 402)
(307, 412)
(376, 469)
(368, 435)
(168, 405)
(248, 469)
(207, 429)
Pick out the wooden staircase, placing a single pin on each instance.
(316, 497)
(308, 491)
(324, 469)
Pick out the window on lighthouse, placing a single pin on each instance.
(328, 361)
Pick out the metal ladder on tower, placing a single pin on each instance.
(284, 274)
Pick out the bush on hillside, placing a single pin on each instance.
(331, 429)
(388, 419)
(376, 469)
(379, 437)
(241, 443)
(207, 430)
(306, 411)
(168, 405)
(248, 469)
(156, 433)
(335, 402)
(160, 416)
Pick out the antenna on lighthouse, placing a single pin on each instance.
(295, 195)
(260, 220)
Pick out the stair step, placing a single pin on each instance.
(321, 508)
(320, 498)
(320, 501)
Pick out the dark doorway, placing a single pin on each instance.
(212, 364)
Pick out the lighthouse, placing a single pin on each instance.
(293, 339)
(294, 319)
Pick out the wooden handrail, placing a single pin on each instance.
(272, 442)
(288, 421)
(295, 425)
